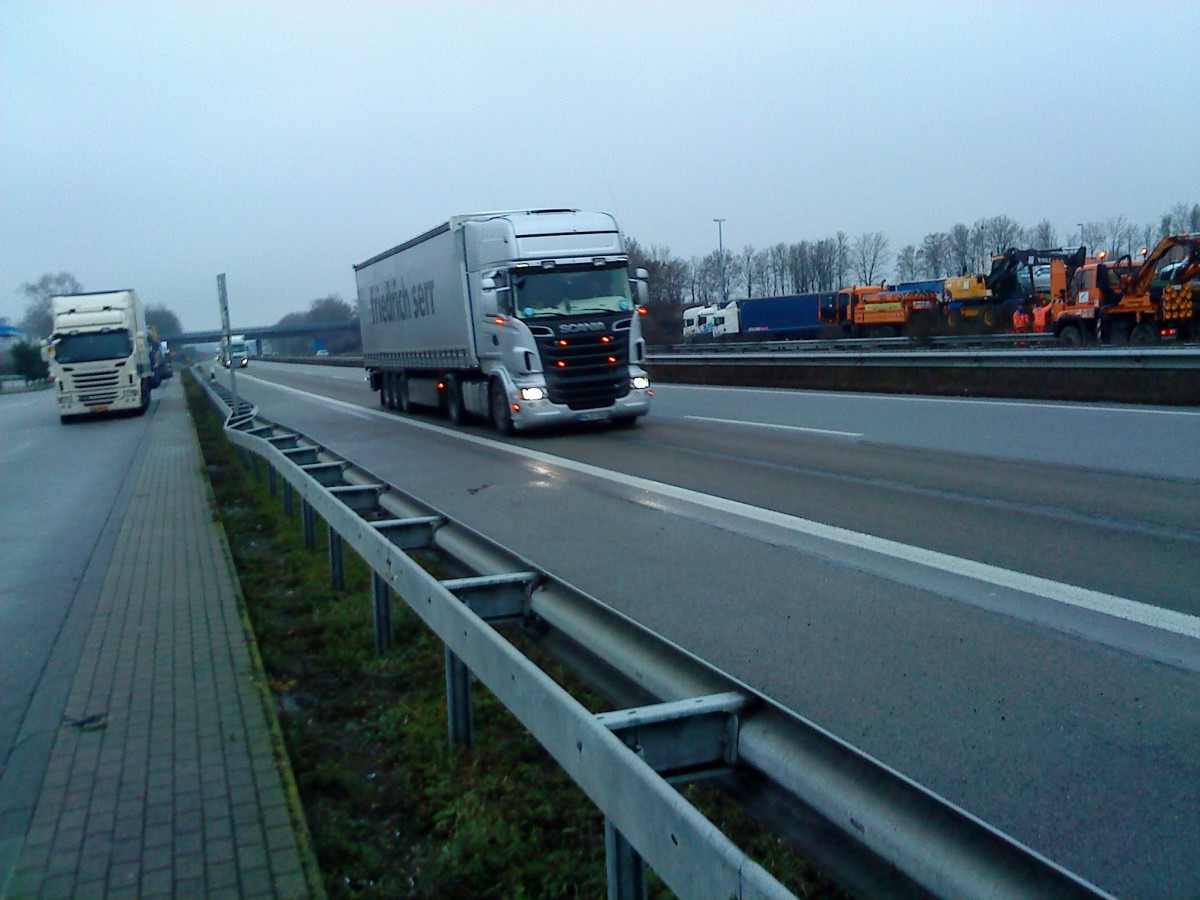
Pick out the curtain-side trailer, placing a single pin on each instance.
(526, 318)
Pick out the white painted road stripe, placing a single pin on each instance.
(849, 434)
(1056, 591)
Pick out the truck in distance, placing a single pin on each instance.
(234, 352)
(98, 354)
(526, 318)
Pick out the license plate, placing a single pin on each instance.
(99, 409)
(592, 416)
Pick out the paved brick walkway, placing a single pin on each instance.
(167, 784)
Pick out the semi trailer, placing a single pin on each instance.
(98, 354)
(525, 318)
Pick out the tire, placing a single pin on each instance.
(992, 318)
(400, 391)
(498, 406)
(454, 401)
(67, 420)
(1143, 335)
(1070, 336)
(145, 404)
(887, 331)
(385, 399)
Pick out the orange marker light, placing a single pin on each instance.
(561, 364)
(642, 311)
(606, 340)
(562, 343)
(499, 320)
(516, 407)
(612, 359)
(441, 384)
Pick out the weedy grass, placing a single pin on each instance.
(392, 809)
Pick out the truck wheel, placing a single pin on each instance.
(145, 404)
(385, 390)
(501, 414)
(1070, 336)
(454, 400)
(400, 386)
(992, 318)
(1143, 334)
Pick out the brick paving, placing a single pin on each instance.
(163, 780)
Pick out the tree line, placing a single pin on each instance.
(803, 267)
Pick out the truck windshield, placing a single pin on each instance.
(568, 290)
(81, 348)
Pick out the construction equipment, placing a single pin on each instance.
(881, 311)
(991, 300)
(1133, 301)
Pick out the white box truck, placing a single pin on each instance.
(525, 318)
(99, 354)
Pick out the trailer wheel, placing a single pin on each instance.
(498, 404)
(403, 400)
(454, 400)
(385, 390)
(1143, 334)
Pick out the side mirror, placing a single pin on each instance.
(488, 300)
(638, 281)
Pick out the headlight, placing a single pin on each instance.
(533, 393)
(640, 382)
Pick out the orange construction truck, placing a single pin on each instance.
(1133, 301)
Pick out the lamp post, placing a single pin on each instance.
(1080, 224)
(721, 258)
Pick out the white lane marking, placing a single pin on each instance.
(1055, 591)
(909, 398)
(849, 434)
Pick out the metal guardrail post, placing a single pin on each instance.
(288, 497)
(272, 481)
(382, 611)
(626, 869)
(337, 561)
(460, 712)
(308, 521)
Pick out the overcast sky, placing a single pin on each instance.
(155, 145)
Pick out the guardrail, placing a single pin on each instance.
(866, 825)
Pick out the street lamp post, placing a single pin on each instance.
(721, 259)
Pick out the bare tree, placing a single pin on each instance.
(932, 255)
(868, 255)
(39, 320)
(163, 321)
(1000, 233)
(1044, 235)
(746, 261)
(906, 263)
(960, 252)
(841, 259)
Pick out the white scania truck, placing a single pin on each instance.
(525, 318)
(99, 354)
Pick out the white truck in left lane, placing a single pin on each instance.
(99, 354)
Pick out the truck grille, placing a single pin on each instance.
(580, 372)
(97, 388)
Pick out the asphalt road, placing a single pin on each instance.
(59, 488)
(998, 599)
